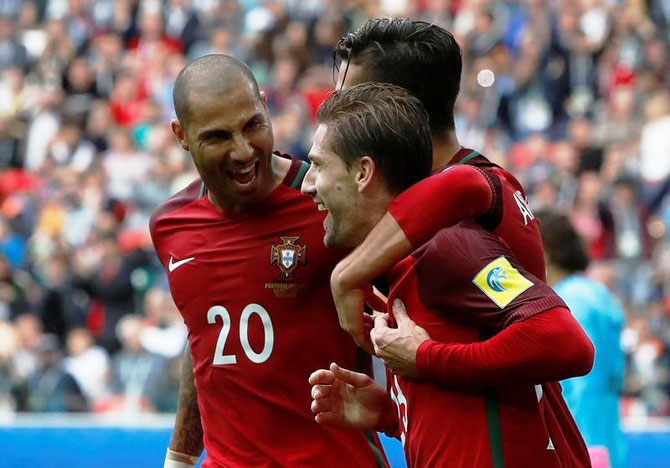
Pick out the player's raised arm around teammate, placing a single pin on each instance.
(405, 53)
(523, 352)
(462, 286)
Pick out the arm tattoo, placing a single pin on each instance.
(187, 432)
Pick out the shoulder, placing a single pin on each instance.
(191, 193)
(291, 169)
(465, 172)
(467, 239)
(461, 249)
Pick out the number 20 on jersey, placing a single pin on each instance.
(226, 324)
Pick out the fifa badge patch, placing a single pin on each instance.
(287, 256)
(501, 282)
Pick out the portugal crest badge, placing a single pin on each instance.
(288, 255)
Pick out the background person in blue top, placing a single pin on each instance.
(594, 398)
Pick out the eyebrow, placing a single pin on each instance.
(214, 131)
(204, 135)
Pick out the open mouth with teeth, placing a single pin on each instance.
(246, 176)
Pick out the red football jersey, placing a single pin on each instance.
(462, 286)
(472, 187)
(254, 292)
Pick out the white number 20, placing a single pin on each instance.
(257, 358)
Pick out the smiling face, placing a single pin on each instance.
(229, 136)
(333, 187)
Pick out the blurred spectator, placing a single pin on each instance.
(655, 141)
(8, 375)
(51, 388)
(632, 243)
(61, 307)
(138, 375)
(12, 246)
(105, 275)
(164, 332)
(88, 364)
(594, 398)
(592, 218)
(12, 52)
(124, 167)
(28, 331)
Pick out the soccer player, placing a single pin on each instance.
(426, 60)
(247, 268)
(593, 399)
(462, 286)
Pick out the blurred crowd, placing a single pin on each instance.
(573, 96)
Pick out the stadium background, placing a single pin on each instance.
(572, 96)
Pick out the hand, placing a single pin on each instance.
(349, 302)
(397, 347)
(344, 398)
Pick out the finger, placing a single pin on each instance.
(399, 311)
(320, 392)
(321, 406)
(353, 378)
(377, 349)
(321, 377)
(382, 321)
(327, 418)
(377, 313)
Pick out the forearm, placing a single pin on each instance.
(441, 201)
(187, 436)
(546, 347)
(415, 216)
(384, 246)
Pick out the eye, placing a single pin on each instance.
(217, 135)
(253, 124)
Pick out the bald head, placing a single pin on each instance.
(211, 74)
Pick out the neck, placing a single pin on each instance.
(444, 148)
(376, 206)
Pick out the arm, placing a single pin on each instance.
(542, 348)
(186, 442)
(437, 202)
(546, 347)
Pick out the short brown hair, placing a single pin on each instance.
(382, 121)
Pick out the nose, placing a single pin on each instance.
(242, 151)
(307, 186)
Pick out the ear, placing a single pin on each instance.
(264, 98)
(366, 173)
(178, 131)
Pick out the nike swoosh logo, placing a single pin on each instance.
(173, 266)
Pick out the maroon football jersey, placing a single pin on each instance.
(453, 194)
(254, 292)
(463, 286)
